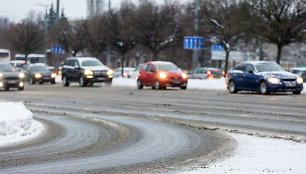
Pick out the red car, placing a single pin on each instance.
(161, 74)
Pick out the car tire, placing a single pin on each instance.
(82, 82)
(263, 88)
(32, 81)
(157, 84)
(65, 81)
(20, 88)
(6, 88)
(52, 82)
(183, 87)
(232, 87)
(296, 92)
(41, 82)
(139, 84)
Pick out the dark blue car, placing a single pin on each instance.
(263, 77)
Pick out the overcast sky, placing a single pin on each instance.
(16, 10)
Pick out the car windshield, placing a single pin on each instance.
(39, 68)
(92, 63)
(6, 68)
(166, 67)
(263, 67)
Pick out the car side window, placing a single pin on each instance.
(304, 73)
(151, 69)
(144, 68)
(249, 68)
(75, 63)
(241, 68)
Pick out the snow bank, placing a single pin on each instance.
(256, 155)
(16, 123)
(14, 117)
(212, 84)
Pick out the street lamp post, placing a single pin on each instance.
(195, 55)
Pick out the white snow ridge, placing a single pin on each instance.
(16, 123)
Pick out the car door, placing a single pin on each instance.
(75, 71)
(151, 75)
(239, 75)
(143, 74)
(250, 79)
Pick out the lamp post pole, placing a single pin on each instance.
(108, 58)
(195, 56)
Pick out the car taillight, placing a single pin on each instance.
(208, 73)
(60, 68)
(14, 69)
(223, 73)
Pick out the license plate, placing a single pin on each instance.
(11, 81)
(100, 78)
(176, 82)
(290, 84)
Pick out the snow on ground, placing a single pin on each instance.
(16, 123)
(209, 84)
(258, 155)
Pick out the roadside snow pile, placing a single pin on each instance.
(16, 123)
(212, 84)
(256, 155)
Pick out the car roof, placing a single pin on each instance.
(298, 68)
(160, 62)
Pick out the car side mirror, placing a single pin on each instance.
(251, 72)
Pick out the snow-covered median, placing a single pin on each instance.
(211, 84)
(257, 155)
(16, 123)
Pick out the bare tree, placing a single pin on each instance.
(123, 32)
(281, 22)
(72, 35)
(221, 23)
(95, 7)
(157, 26)
(98, 34)
(26, 37)
(4, 27)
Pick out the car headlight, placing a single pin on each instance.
(53, 75)
(299, 80)
(273, 80)
(162, 75)
(110, 72)
(184, 76)
(1, 75)
(88, 72)
(37, 75)
(21, 75)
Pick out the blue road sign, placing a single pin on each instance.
(57, 49)
(217, 48)
(194, 43)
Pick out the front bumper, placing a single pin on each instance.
(99, 78)
(285, 87)
(173, 82)
(43, 79)
(11, 83)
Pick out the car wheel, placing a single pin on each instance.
(90, 83)
(65, 81)
(7, 88)
(157, 85)
(20, 88)
(52, 81)
(139, 84)
(183, 87)
(232, 87)
(41, 82)
(32, 81)
(82, 82)
(263, 88)
(296, 92)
